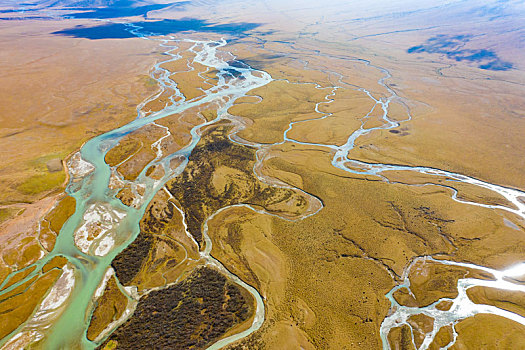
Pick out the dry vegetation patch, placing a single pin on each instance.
(220, 173)
(189, 315)
(485, 331)
(512, 301)
(282, 103)
(110, 307)
(18, 304)
(161, 252)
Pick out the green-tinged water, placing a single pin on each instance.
(95, 199)
(73, 323)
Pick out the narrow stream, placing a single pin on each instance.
(462, 306)
(89, 261)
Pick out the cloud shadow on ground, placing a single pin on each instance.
(452, 46)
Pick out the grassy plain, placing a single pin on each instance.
(282, 103)
(340, 266)
(162, 253)
(329, 273)
(57, 93)
(324, 277)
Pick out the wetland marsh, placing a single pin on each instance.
(305, 183)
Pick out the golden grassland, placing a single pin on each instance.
(421, 325)
(430, 281)
(503, 299)
(134, 151)
(323, 278)
(489, 332)
(472, 130)
(282, 103)
(277, 64)
(22, 250)
(53, 222)
(294, 264)
(333, 265)
(401, 337)
(110, 307)
(465, 192)
(190, 83)
(348, 109)
(183, 63)
(466, 119)
(59, 92)
(164, 99)
(17, 305)
(162, 253)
